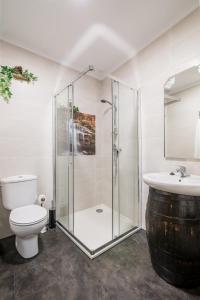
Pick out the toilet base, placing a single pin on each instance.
(27, 247)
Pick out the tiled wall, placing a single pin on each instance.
(105, 155)
(26, 122)
(86, 170)
(174, 51)
(86, 174)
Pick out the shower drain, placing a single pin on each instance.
(99, 210)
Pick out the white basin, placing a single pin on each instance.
(173, 183)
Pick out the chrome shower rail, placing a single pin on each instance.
(80, 75)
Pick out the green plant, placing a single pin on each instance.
(75, 109)
(7, 74)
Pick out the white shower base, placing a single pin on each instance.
(95, 229)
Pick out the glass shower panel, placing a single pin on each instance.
(92, 163)
(96, 162)
(128, 158)
(125, 159)
(115, 158)
(64, 189)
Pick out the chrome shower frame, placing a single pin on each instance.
(114, 241)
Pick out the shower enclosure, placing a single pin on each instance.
(97, 162)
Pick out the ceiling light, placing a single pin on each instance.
(198, 67)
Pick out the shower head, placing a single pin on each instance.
(105, 101)
(91, 68)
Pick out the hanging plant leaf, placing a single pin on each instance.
(7, 74)
(75, 109)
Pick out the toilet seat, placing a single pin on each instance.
(28, 215)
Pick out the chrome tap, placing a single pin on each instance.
(182, 171)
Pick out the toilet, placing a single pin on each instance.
(19, 194)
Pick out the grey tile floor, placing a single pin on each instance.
(62, 272)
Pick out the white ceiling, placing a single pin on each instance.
(78, 33)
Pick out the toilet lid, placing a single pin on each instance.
(27, 215)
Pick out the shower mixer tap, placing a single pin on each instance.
(117, 150)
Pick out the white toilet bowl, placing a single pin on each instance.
(26, 222)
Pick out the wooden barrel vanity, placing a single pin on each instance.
(173, 234)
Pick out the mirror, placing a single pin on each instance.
(182, 115)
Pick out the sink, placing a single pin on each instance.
(173, 183)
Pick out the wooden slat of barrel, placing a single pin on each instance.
(173, 234)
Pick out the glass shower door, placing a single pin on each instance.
(115, 159)
(64, 160)
(125, 159)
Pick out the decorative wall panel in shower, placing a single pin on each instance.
(83, 133)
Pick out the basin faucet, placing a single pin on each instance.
(182, 171)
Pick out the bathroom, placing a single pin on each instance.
(86, 130)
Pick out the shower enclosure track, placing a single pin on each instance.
(94, 253)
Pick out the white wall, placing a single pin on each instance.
(26, 122)
(174, 51)
(86, 175)
(105, 155)
(26, 143)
